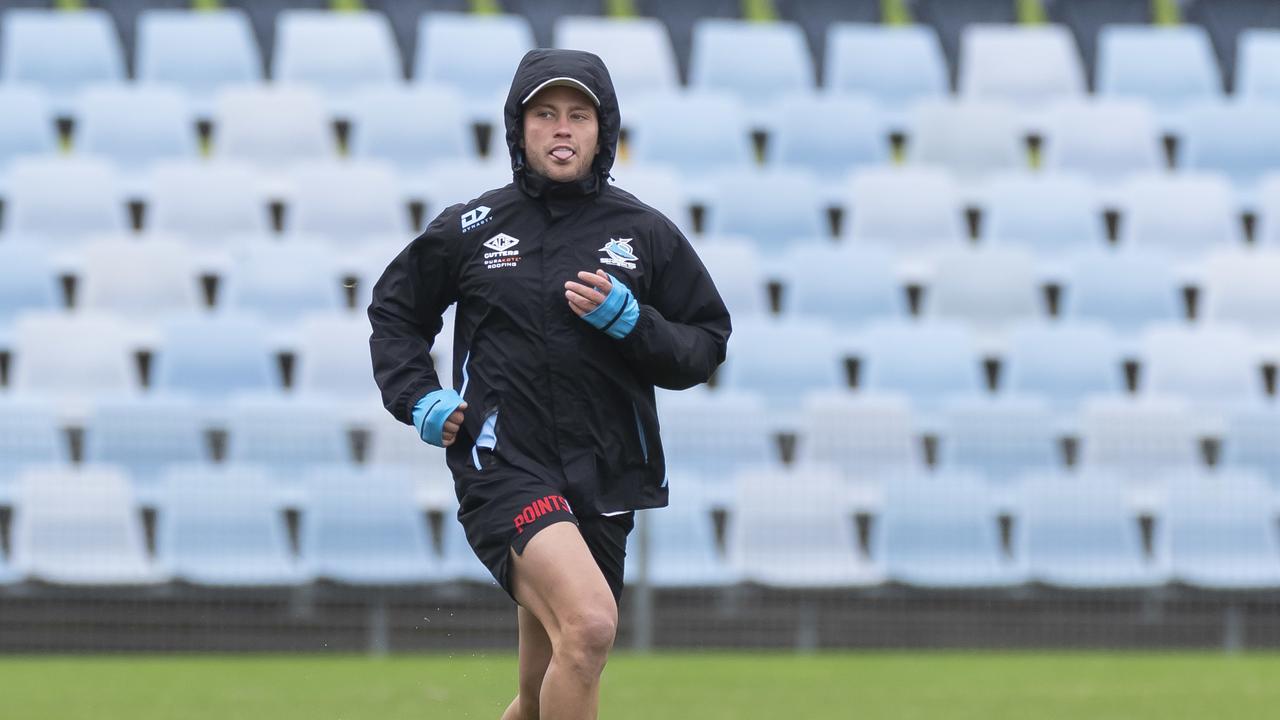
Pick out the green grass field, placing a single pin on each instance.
(709, 686)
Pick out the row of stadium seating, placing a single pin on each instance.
(794, 528)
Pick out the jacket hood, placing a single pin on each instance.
(539, 66)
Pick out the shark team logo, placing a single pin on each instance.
(475, 217)
(620, 253)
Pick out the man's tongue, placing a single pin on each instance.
(562, 153)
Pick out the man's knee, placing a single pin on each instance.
(586, 639)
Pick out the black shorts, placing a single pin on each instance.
(502, 507)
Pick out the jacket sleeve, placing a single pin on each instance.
(683, 330)
(405, 314)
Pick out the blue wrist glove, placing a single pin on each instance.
(431, 412)
(617, 315)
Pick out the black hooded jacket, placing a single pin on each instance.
(553, 395)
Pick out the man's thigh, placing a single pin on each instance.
(556, 578)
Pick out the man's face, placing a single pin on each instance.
(560, 133)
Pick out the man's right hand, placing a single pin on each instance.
(438, 416)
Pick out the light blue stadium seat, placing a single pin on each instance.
(284, 281)
(988, 288)
(1077, 531)
(335, 52)
(1127, 289)
(1258, 69)
(272, 127)
(869, 438)
(1053, 214)
(942, 532)
(845, 285)
(1169, 67)
(213, 356)
(971, 138)
(72, 356)
(1184, 214)
(333, 357)
(145, 435)
(784, 360)
(200, 52)
(1212, 365)
(1142, 438)
(774, 208)
(61, 200)
(1240, 287)
(1250, 440)
(682, 549)
(739, 274)
(659, 187)
(924, 360)
(80, 527)
(1104, 139)
(1027, 65)
(28, 281)
(757, 62)
(1267, 206)
(364, 527)
(459, 181)
(1063, 361)
(135, 126)
(347, 201)
(392, 442)
(288, 435)
(222, 526)
(794, 528)
(1222, 531)
(26, 125)
(828, 135)
(411, 127)
(473, 53)
(637, 51)
(1002, 437)
(207, 202)
(709, 436)
(909, 210)
(60, 51)
(142, 280)
(29, 435)
(1240, 138)
(661, 134)
(896, 65)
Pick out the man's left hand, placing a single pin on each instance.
(583, 298)
(604, 303)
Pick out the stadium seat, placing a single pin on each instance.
(263, 16)
(927, 361)
(1126, 288)
(759, 63)
(1227, 22)
(971, 139)
(1250, 440)
(870, 438)
(363, 527)
(793, 528)
(1143, 438)
(476, 54)
(1258, 74)
(942, 532)
(221, 526)
(336, 53)
(1001, 437)
(1052, 214)
(145, 435)
(1240, 138)
(1078, 532)
(1104, 139)
(29, 436)
(659, 187)
(213, 356)
(1063, 361)
(284, 281)
(26, 125)
(709, 436)
(208, 202)
(543, 14)
(392, 442)
(72, 357)
(909, 210)
(950, 18)
(682, 551)
(828, 135)
(200, 52)
(1169, 67)
(1267, 209)
(288, 435)
(1222, 531)
(845, 285)
(1214, 366)
(1184, 214)
(347, 201)
(774, 208)
(333, 357)
(140, 280)
(739, 275)
(273, 127)
(1087, 17)
(135, 126)
(62, 52)
(680, 18)
(895, 65)
(637, 52)
(767, 361)
(817, 17)
(79, 527)
(461, 181)
(987, 288)
(28, 281)
(1027, 65)
(411, 127)
(61, 200)
(404, 16)
(1240, 287)
(661, 133)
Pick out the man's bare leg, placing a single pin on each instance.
(535, 655)
(558, 581)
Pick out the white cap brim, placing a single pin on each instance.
(562, 82)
